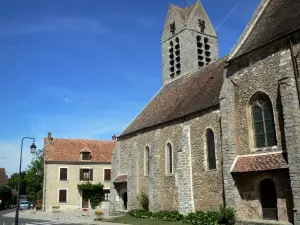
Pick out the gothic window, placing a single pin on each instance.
(200, 52)
(169, 159)
(172, 28)
(207, 50)
(201, 25)
(263, 122)
(211, 154)
(146, 161)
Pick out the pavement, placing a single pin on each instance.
(27, 217)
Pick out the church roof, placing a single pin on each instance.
(272, 19)
(183, 96)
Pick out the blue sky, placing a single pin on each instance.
(85, 69)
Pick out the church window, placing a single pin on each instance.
(201, 25)
(263, 122)
(211, 152)
(171, 56)
(177, 55)
(200, 52)
(172, 28)
(169, 158)
(207, 50)
(146, 161)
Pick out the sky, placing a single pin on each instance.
(85, 69)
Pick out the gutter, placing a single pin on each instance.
(295, 67)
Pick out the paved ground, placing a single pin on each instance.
(27, 217)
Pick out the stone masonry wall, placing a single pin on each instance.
(164, 189)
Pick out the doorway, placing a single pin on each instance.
(268, 199)
(85, 201)
(125, 200)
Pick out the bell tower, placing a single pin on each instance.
(189, 41)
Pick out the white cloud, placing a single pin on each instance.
(67, 100)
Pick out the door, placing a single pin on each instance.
(268, 199)
(85, 201)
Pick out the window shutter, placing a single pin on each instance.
(91, 174)
(63, 174)
(81, 174)
(107, 174)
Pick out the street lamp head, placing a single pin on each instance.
(33, 148)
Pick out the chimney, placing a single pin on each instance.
(49, 137)
(114, 137)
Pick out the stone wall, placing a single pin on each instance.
(202, 188)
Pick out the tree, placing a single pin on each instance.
(35, 176)
(13, 182)
(5, 194)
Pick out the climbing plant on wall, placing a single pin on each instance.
(92, 192)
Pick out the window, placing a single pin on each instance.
(146, 161)
(211, 153)
(263, 122)
(86, 174)
(86, 156)
(169, 158)
(106, 195)
(106, 174)
(63, 174)
(62, 198)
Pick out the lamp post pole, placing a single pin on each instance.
(32, 148)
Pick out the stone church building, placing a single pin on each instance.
(220, 131)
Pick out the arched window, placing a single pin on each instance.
(211, 154)
(169, 158)
(146, 161)
(263, 122)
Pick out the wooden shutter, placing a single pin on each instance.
(63, 174)
(62, 195)
(81, 174)
(107, 174)
(91, 174)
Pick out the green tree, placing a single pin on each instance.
(5, 194)
(35, 176)
(13, 182)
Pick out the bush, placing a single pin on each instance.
(199, 218)
(140, 213)
(143, 200)
(38, 207)
(227, 216)
(172, 216)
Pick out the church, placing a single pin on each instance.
(220, 131)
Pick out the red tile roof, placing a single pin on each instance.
(259, 162)
(3, 176)
(120, 178)
(68, 150)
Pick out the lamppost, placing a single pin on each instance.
(32, 150)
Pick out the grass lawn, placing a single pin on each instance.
(141, 221)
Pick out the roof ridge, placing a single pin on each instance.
(80, 139)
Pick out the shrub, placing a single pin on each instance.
(172, 216)
(227, 215)
(143, 200)
(199, 218)
(38, 207)
(140, 213)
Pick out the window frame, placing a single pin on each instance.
(91, 177)
(207, 155)
(169, 159)
(252, 102)
(58, 195)
(59, 172)
(106, 191)
(85, 153)
(104, 174)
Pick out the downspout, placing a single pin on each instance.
(295, 68)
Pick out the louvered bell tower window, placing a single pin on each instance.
(263, 122)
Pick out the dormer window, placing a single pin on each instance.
(85, 154)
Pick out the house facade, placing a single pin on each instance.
(69, 162)
(219, 131)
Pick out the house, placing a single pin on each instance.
(3, 176)
(220, 131)
(69, 162)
